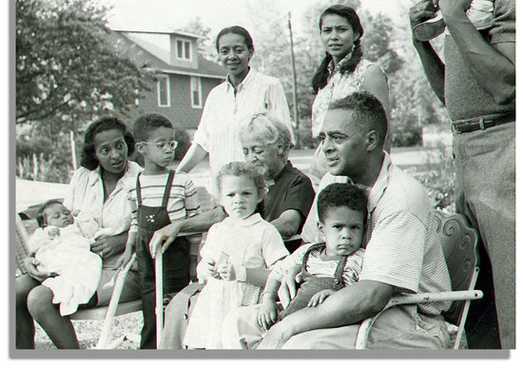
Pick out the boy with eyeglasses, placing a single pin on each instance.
(158, 198)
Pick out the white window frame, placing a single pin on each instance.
(184, 42)
(162, 78)
(198, 84)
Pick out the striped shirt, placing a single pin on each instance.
(226, 109)
(183, 198)
(317, 266)
(403, 248)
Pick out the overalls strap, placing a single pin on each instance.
(317, 246)
(167, 191)
(138, 190)
(338, 275)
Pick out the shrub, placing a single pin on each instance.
(440, 179)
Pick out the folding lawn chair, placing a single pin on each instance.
(461, 254)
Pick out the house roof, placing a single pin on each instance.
(158, 50)
(181, 33)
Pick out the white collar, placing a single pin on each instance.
(249, 221)
(250, 76)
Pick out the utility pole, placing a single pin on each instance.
(294, 84)
(73, 149)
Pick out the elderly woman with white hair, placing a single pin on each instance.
(266, 143)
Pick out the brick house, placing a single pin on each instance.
(183, 76)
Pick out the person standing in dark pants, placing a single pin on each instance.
(159, 197)
(477, 86)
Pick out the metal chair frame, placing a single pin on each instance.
(460, 244)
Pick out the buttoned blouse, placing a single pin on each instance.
(86, 194)
(227, 108)
(338, 86)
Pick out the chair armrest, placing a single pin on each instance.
(423, 298)
(435, 297)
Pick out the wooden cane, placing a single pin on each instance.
(158, 274)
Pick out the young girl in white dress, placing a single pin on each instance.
(237, 255)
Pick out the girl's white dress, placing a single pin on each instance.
(68, 255)
(248, 243)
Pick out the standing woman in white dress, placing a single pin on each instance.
(244, 93)
(343, 71)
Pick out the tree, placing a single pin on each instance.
(414, 104)
(67, 65)
(70, 69)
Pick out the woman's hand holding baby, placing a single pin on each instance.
(31, 264)
(107, 246)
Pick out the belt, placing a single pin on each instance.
(481, 122)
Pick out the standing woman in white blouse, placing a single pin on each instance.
(244, 92)
(343, 71)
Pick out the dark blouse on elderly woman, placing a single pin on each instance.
(292, 190)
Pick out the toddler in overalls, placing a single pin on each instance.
(158, 198)
(321, 269)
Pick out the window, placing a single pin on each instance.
(183, 49)
(196, 92)
(164, 91)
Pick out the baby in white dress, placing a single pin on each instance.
(61, 247)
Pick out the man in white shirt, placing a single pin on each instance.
(403, 253)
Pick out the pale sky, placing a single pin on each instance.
(164, 15)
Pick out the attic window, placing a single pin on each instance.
(183, 49)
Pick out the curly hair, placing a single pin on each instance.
(368, 112)
(342, 195)
(146, 123)
(236, 30)
(88, 156)
(237, 168)
(320, 78)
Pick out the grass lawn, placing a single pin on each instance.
(88, 332)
